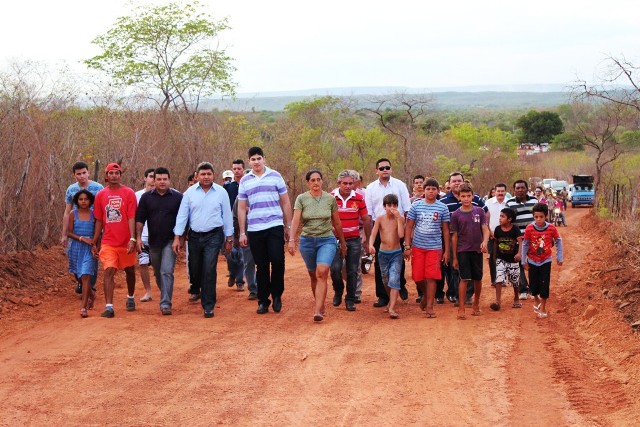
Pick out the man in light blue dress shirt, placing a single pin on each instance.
(205, 207)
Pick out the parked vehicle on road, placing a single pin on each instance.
(546, 183)
(583, 191)
(557, 185)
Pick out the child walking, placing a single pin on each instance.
(470, 236)
(507, 256)
(391, 228)
(81, 261)
(539, 238)
(427, 223)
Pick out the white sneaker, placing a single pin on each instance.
(523, 295)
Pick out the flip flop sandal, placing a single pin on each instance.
(91, 300)
(146, 299)
(431, 315)
(83, 313)
(517, 305)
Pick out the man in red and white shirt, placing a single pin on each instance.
(352, 209)
(115, 213)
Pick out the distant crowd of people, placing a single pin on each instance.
(442, 230)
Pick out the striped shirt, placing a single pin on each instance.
(428, 217)
(453, 204)
(262, 194)
(350, 210)
(524, 211)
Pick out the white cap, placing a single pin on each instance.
(227, 174)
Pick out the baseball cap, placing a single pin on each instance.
(227, 174)
(112, 167)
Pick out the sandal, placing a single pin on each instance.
(494, 306)
(542, 315)
(461, 317)
(146, 298)
(431, 315)
(318, 317)
(477, 313)
(536, 308)
(393, 314)
(91, 299)
(517, 305)
(83, 313)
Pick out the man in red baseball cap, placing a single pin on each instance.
(115, 212)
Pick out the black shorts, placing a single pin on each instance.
(539, 278)
(470, 265)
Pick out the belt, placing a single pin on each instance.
(204, 233)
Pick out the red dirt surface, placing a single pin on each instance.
(580, 366)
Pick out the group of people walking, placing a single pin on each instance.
(250, 219)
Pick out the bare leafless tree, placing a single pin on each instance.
(617, 82)
(399, 114)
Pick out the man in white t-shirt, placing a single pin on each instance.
(386, 184)
(143, 256)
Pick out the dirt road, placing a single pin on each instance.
(356, 368)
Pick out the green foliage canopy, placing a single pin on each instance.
(539, 126)
(169, 48)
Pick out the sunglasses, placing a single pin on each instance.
(384, 168)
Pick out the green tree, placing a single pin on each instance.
(170, 48)
(567, 141)
(539, 126)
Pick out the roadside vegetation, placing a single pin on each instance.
(143, 112)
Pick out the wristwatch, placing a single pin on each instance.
(407, 247)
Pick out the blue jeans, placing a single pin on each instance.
(235, 264)
(267, 248)
(249, 270)
(163, 260)
(352, 261)
(317, 250)
(381, 291)
(203, 261)
(391, 267)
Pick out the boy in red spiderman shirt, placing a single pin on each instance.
(539, 238)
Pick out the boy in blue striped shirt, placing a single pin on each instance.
(427, 223)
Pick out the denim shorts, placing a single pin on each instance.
(391, 267)
(317, 250)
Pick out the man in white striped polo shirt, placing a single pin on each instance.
(522, 204)
(266, 227)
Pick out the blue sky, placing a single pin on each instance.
(292, 45)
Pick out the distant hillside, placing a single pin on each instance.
(484, 97)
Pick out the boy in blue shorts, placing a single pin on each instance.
(427, 221)
(391, 228)
(507, 256)
(470, 235)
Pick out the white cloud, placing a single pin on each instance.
(285, 45)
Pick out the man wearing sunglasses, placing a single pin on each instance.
(386, 184)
